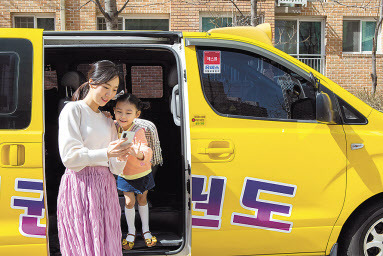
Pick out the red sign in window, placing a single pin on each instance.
(212, 57)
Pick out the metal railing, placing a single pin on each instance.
(316, 62)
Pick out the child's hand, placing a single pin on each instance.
(135, 151)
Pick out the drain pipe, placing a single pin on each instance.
(62, 14)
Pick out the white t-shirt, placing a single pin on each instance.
(84, 137)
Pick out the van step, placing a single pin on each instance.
(167, 241)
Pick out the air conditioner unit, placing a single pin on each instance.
(292, 2)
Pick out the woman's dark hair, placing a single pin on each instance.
(128, 97)
(100, 72)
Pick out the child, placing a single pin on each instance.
(137, 177)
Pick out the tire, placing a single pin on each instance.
(364, 234)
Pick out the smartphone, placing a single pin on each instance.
(128, 135)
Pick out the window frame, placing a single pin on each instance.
(23, 48)
(360, 20)
(221, 49)
(139, 17)
(35, 17)
(306, 19)
(219, 43)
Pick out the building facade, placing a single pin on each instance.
(333, 37)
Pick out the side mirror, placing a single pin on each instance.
(324, 109)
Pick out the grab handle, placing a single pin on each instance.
(175, 106)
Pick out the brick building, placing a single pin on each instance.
(335, 39)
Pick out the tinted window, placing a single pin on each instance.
(147, 81)
(349, 114)
(246, 84)
(16, 57)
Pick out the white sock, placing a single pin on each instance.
(144, 214)
(130, 215)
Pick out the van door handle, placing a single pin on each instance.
(13, 155)
(215, 151)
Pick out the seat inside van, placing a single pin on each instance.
(150, 74)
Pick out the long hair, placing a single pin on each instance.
(100, 72)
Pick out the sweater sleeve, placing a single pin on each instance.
(115, 166)
(74, 154)
(141, 144)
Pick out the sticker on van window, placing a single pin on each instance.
(209, 202)
(34, 210)
(264, 210)
(211, 62)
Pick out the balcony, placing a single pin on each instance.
(314, 61)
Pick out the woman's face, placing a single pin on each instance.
(125, 113)
(103, 93)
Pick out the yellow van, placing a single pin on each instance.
(262, 154)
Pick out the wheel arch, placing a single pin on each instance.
(367, 204)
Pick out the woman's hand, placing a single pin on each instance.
(115, 149)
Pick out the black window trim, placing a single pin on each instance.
(353, 109)
(22, 65)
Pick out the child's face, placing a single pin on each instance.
(125, 114)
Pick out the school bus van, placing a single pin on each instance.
(263, 155)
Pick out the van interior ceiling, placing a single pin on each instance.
(151, 74)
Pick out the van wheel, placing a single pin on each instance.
(365, 235)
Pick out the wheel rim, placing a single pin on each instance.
(373, 241)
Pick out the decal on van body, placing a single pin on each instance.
(210, 202)
(29, 222)
(264, 210)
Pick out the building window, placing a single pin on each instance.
(101, 23)
(147, 24)
(303, 39)
(46, 23)
(208, 23)
(136, 24)
(358, 35)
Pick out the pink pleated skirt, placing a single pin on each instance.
(88, 213)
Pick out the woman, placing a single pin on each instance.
(88, 211)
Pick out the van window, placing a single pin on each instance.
(243, 84)
(15, 83)
(349, 114)
(147, 81)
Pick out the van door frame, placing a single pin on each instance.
(178, 50)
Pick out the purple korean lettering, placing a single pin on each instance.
(34, 210)
(209, 202)
(264, 210)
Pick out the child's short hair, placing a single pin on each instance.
(132, 99)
